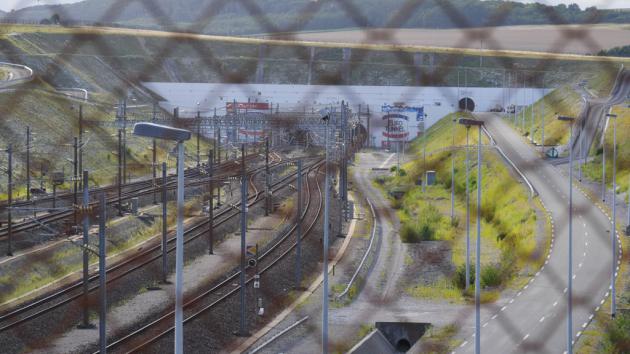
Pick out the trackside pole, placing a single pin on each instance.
(243, 322)
(164, 225)
(102, 257)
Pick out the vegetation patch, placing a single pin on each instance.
(507, 216)
(593, 169)
(563, 100)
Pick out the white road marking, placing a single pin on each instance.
(526, 336)
(463, 344)
(542, 319)
(503, 308)
(386, 161)
(485, 324)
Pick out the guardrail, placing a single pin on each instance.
(11, 82)
(532, 190)
(367, 252)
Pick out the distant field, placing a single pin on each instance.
(586, 39)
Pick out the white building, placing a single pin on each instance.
(395, 106)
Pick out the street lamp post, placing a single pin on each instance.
(326, 118)
(604, 166)
(157, 131)
(453, 173)
(468, 123)
(424, 153)
(570, 271)
(613, 232)
(467, 209)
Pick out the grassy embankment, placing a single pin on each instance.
(508, 219)
(54, 121)
(53, 266)
(605, 335)
(563, 100)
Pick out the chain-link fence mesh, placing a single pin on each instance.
(90, 79)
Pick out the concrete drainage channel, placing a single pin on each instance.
(391, 337)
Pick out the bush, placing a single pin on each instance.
(459, 280)
(491, 276)
(421, 227)
(617, 335)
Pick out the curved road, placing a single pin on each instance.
(535, 319)
(17, 74)
(592, 118)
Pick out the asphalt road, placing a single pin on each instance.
(535, 320)
(592, 118)
(17, 74)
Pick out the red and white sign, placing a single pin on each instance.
(247, 106)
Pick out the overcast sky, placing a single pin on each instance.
(8, 5)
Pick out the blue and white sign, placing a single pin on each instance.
(419, 111)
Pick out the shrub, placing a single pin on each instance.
(423, 226)
(491, 276)
(617, 335)
(459, 280)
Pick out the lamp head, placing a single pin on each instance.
(158, 131)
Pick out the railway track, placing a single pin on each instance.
(139, 189)
(141, 339)
(30, 311)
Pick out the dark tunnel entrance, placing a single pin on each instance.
(467, 104)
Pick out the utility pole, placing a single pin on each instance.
(120, 173)
(298, 248)
(86, 256)
(570, 265)
(243, 324)
(211, 202)
(604, 162)
(154, 163)
(219, 146)
(570, 272)
(102, 267)
(613, 231)
(542, 115)
(468, 123)
(325, 250)
(75, 178)
(424, 155)
(198, 135)
(523, 105)
(80, 168)
(124, 142)
(10, 201)
(267, 179)
(467, 208)
(478, 254)
(28, 163)
(531, 126)
(453, 173)
(164, 225)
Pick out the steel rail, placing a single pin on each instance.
(228, 281)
